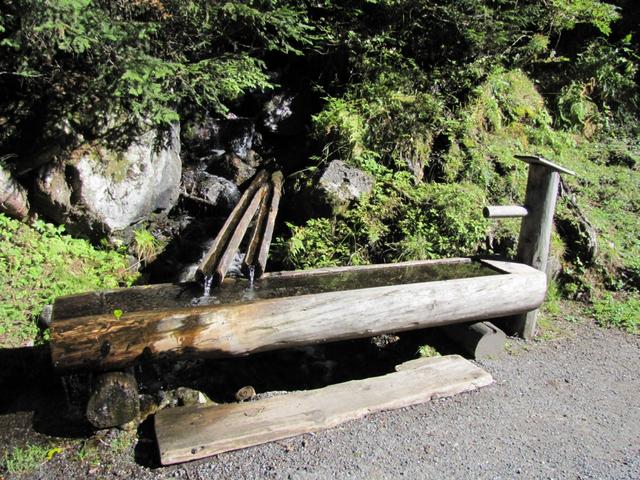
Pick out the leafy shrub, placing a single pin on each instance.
(39, 263)
(145, 246)
(398, 221)
(95, 67)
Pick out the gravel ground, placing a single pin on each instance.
(567, 408)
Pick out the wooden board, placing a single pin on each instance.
(256, 234)
(263, 254)
(190, 433)
(221, 268)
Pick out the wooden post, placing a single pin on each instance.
(535, 230)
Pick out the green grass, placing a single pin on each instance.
(25, 459)
(621, 312)
(38, 263)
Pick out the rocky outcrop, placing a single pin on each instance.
(13, 196)
(97, 191)
(237, 169)
(340, 185)
(211, 189)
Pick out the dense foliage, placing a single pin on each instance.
(90, 66)
(430, 97)
(39, 263)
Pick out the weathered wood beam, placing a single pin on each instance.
(256, 236)
(222, 266)
(105, 342)
(211, 258)
(261, 264)
(535, 234)
(221, 428)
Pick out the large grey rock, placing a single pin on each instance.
(98, 191)
(13, 196)
(237, 169)
(211, 189)
(341, 184)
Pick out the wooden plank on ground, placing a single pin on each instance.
(190, 433)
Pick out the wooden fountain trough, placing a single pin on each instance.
(110, 329)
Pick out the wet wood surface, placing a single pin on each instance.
(170, 296)
(221, 240)
(256, 236)
(222, 266)
(263, 253)
(190, 433)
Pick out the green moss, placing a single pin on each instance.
(39, 263)
(427, 351)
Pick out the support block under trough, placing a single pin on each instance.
(479, 339)
(190, 433)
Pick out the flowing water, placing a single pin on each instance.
(208, 280)
(252, 275)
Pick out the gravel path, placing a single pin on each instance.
(568, 408)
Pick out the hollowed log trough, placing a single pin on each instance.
(284, 309)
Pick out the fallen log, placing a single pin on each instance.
(335, 308)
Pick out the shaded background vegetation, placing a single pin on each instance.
(431, 97)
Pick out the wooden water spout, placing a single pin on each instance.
(261, 200)
(285, 309)
(537, 223)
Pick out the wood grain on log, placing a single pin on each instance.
(535, 232)
(263, 254)
(190, 433)
(257, 233)
(102, 341)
